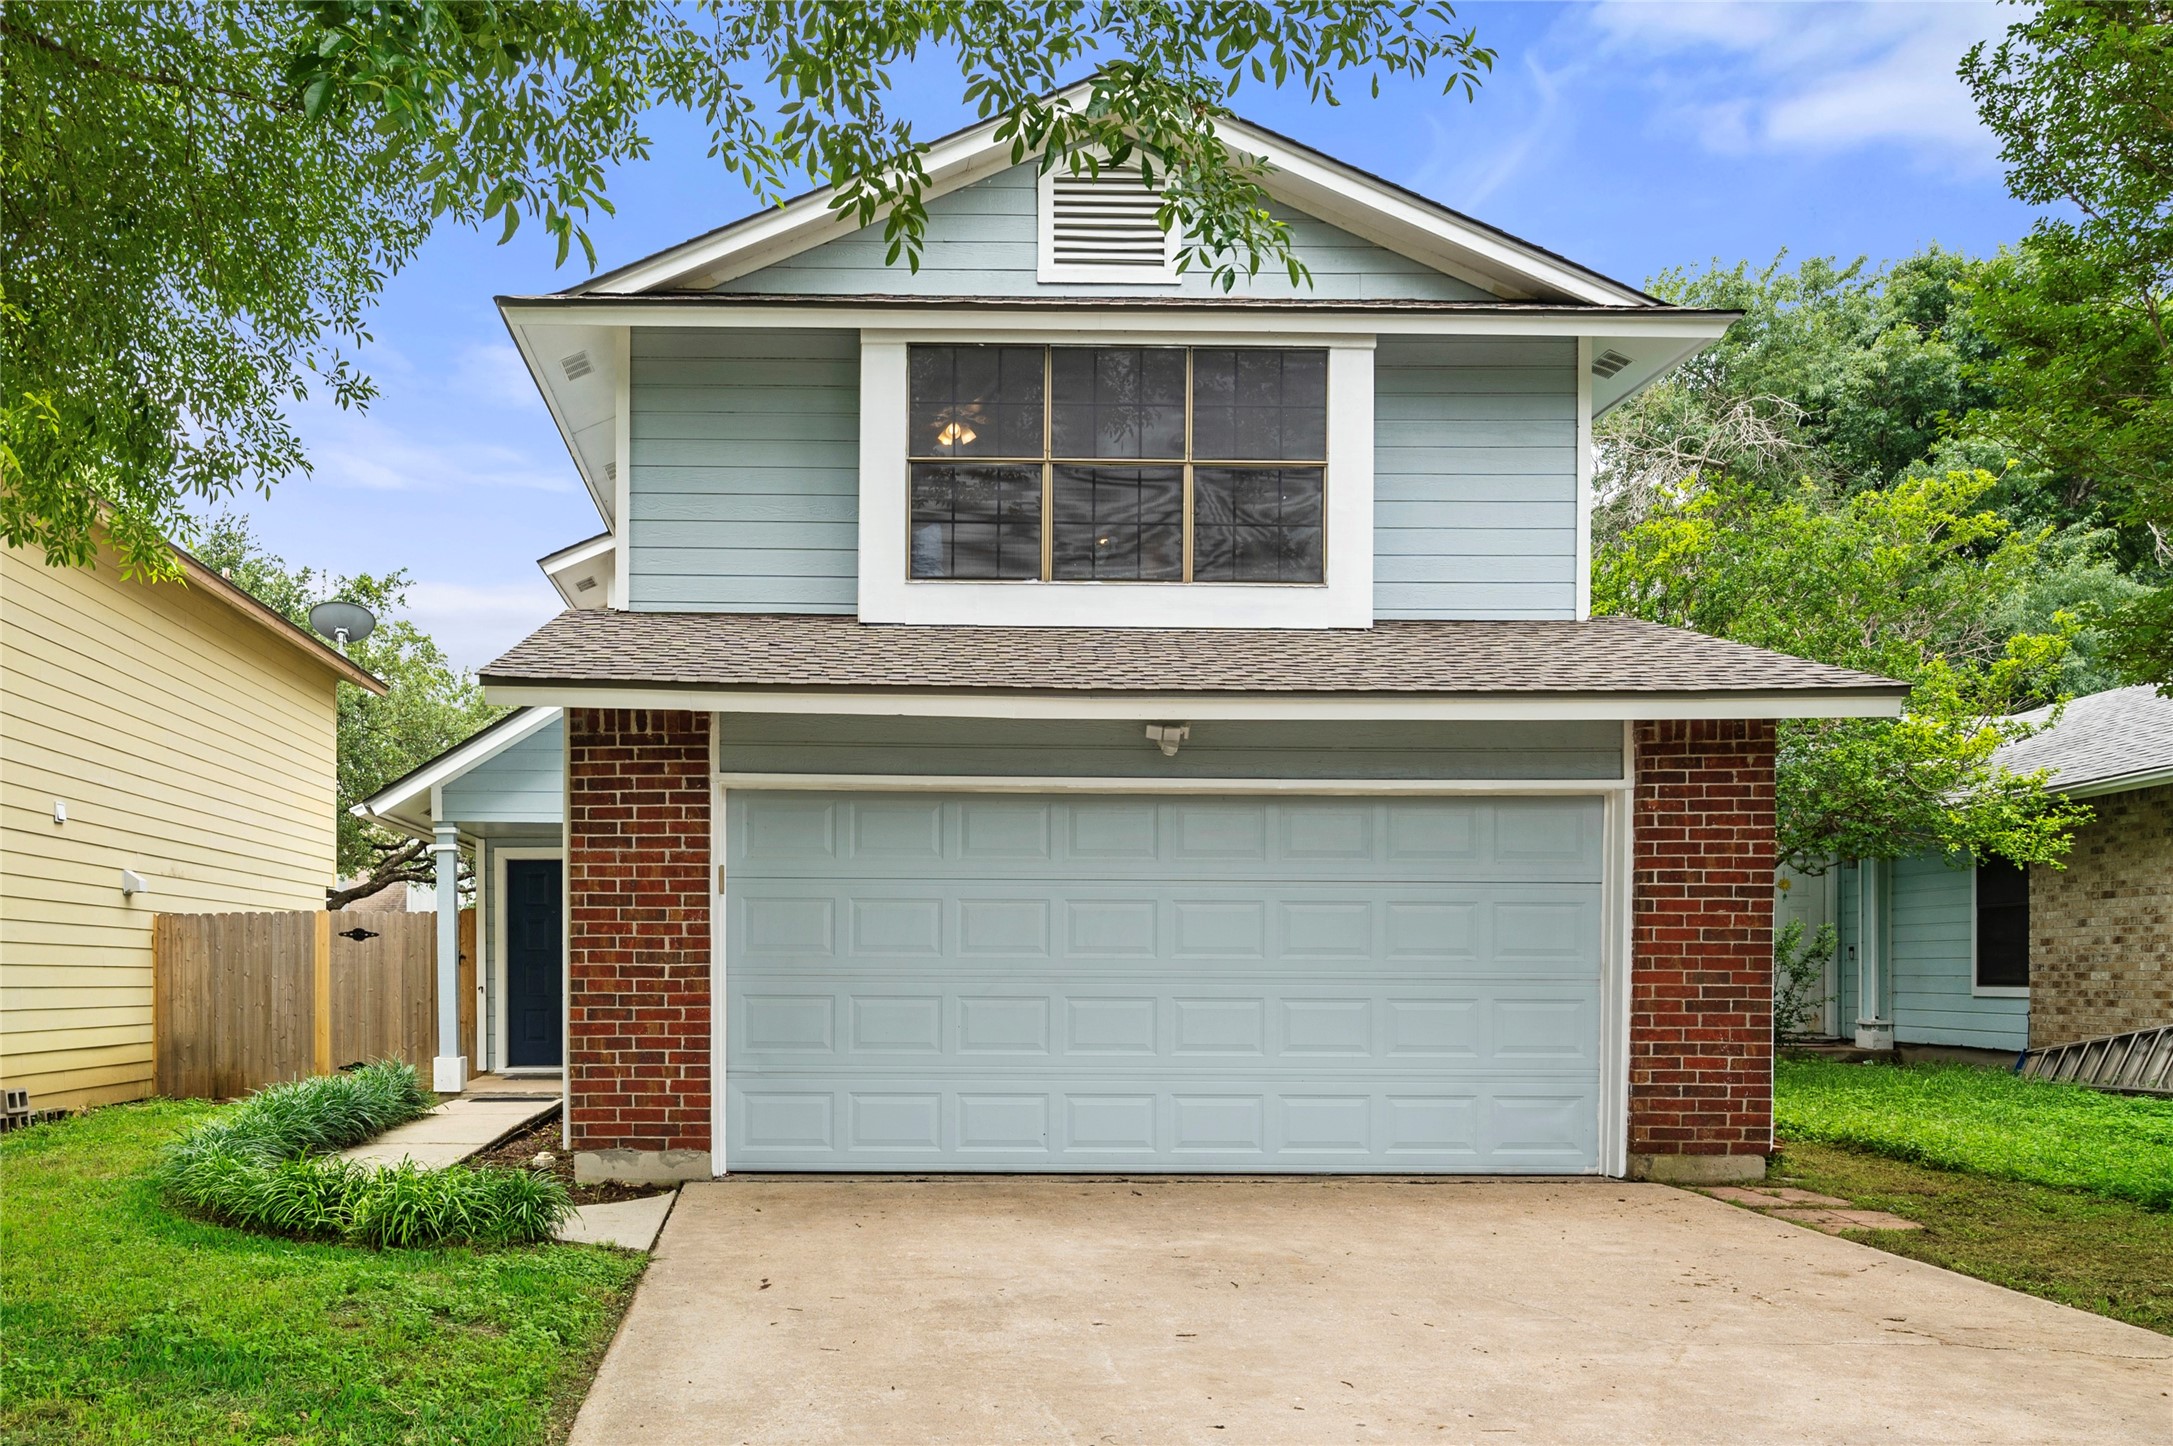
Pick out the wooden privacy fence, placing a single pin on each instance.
(244, 1000)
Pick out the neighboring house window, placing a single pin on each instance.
(2003, 925)
(1134, 464)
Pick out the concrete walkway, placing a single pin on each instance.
(1066, 1310)
(453, 1131)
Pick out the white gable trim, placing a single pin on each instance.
(395, 805)
(1341, 195)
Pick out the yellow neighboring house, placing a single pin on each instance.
(164, 748)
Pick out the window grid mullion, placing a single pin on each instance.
(1188, 467)
(1048, 468)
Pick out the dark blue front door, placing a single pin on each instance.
(535, 962)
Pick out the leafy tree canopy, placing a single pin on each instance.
(1907, 581)
(429, 705)
(2080, 93)
(201, 202)
(1839, 373)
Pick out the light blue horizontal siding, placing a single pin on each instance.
(523, 784)
(1930, 962)
(746, 460)
(981, 242)
(752, 743)
(1475, 478)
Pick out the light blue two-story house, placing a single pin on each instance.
(1039, 712)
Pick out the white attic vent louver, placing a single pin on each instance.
(611, 471)
(1608, 362)
(576, 366)
(1102, 228)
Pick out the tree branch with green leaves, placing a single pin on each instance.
(202, 202)
(1905, 582)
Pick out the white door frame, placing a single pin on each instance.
(1617, 834)
(498, 858)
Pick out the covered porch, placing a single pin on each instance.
(499, 798)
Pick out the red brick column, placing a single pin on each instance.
(1701, 982)
(638, 892)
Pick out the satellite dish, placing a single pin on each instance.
(342, 622)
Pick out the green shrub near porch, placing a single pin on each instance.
(266, 1164)
(1986, 1122)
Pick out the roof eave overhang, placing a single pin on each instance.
(407, 804)
(1869, 702)
(2118, 783)
(1127, 314)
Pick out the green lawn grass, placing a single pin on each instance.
(2108, 1256)
(121, 1320)
(1984, 1122)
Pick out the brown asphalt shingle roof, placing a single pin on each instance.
(753, 650)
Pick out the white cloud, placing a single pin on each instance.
(494, 372)
(1465, 175)
(1810, 77)
(476, 622)
(358, 451)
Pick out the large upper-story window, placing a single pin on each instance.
(1132, 464)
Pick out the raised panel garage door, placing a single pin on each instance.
(1125, 983)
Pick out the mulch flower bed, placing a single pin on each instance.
(543, 1137)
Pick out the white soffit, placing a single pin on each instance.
(582, 573)
(574, 363)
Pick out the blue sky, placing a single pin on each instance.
(1630, 136)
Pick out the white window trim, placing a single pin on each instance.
(1989, 991)
(500, 855)
(889, 595)
(1047, 268)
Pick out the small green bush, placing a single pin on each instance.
(1986, 1122)
(266, 1165)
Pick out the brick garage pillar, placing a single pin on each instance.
(1701, 981)
(638, 896)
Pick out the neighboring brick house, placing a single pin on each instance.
(1038, 712)
(1988, 956)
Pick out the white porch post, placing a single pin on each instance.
(1873, 1029)
(449, 1071)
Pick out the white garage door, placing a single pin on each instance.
(1126, 983)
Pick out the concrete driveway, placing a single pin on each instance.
(1008, 1309)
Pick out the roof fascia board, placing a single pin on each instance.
(902, 703)
(2118, 783)
(579, 552)
(796, 225)
(1693, 326)
(395, 797)
(278, 625)
(1313, 182)
(1344, 197)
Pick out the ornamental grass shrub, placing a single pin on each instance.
(267, 1165)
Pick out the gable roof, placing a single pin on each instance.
(2104, 743)
(576, 342)
(1367, 205)
(406, 803)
